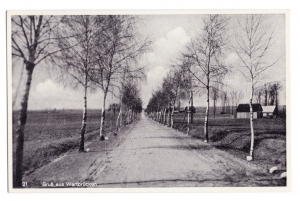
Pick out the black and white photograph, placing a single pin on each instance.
(106, 100)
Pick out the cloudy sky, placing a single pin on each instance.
(170, 34)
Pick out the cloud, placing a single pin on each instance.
(178, 34)
(231, 58)
(154, 81)
(155, 76)
(167, 47)
(165, 50)
(49, 94)
(49, 89)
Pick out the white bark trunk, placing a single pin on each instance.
(165, 116)
(84, 117)
(172, 117)
(188, 120)
(169, 116)
(251, 122)
(192, 106)
(206, 116)
(102, 120)
(118, 122)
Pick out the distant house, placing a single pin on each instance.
(269, 111)
(243, 111)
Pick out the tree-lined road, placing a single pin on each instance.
(148, 154)
(154, 155)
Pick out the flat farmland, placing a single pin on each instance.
(233, 135)
(48, 135)
(44, 126)
(226, 121)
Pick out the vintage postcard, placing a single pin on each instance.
(148, 101)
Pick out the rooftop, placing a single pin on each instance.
(246, 107)
(269, 108)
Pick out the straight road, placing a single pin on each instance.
(153, 155)
(148, 154)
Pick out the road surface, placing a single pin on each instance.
(149, 154)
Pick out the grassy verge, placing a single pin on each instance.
(50, 135)
(233, 136)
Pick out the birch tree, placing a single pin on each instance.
(258, 95)
(131, 98)
(170, 87)
(127, 75)
(77, 36)
(205, 54)
(253, 38)
(224, 98)
(121, 46)
(188, 85)
(214, 94)
(173, 83)
(233, 94)
(32, 40)
(238, 97)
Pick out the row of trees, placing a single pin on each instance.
(268, 94)
(91, 53)
(202, 64)
(229, 98)
(161, 105)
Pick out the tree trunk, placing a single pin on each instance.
(169, 117)
(276, 101)
(251, 122)
(121, 116)
(206, 116)
(118, 122)
(214, 108)
(188, 120)
(20, 129)
(164, 116)
(266, 96)
(84, 117)
(172, 116)
(103, 117)
(128, 116)
(192, 105)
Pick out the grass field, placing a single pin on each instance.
(233, 135)
(49, 135)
